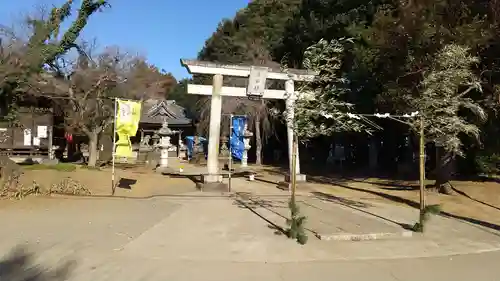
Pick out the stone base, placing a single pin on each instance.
(166, 170)
(212, 186)
(212, 183)
(298, 178)
(211, 179)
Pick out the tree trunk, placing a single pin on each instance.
(258, 142)
(444, 172)
(93, 149)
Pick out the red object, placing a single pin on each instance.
(69, 137)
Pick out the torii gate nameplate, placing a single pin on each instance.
(257, 81)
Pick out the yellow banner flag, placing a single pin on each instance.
(128, 116)
(127, 123)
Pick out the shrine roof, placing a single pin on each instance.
(155, 111)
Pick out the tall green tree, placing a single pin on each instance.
(22, 65)
(323, 109)
(249, 39)
(444, 92)
(182, 98)
(396, 46)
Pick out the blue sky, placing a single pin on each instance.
(164, 31)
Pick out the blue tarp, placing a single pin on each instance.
(190, 145)
(237, 145)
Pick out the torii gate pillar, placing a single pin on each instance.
(290, 109)
(214, 132)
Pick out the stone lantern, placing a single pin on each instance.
(224, 150)
(164, 144)
(246, 146)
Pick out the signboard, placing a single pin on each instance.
(27, 137)
(41, 132)
(257, 81)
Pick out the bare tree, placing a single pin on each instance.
(86, 93)
(95, 80)
(147, 81)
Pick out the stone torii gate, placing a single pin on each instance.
(256, 88)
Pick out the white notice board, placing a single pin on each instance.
(27, 137)
(41, 132)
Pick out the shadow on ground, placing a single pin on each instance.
(397, 186)
(404, 201)
(325, 171)
(243, 200)
(340, 200)
(126, 183)
(342, 179)
(394, 179)
(473, 199)
(19, 265)
(357, 206)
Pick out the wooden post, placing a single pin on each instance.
(230, 164)
(294, 170)
(422, 173)
(50, 141)
(114, 149)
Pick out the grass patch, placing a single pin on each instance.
(62, 167)
(425, 216)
